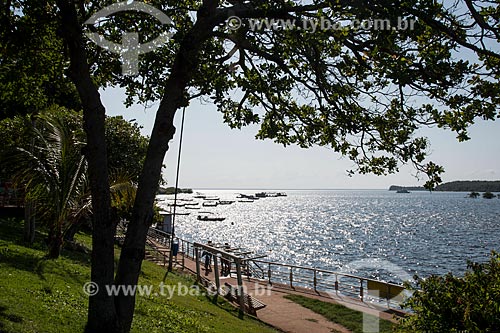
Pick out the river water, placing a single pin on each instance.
(420, 233)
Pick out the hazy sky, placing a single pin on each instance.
(214, 156)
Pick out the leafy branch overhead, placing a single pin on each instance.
(362, 92)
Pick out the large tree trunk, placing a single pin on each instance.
(182, 72)
(102, 314)
(105, 313)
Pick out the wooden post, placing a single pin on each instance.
(240, 286)
(291, 277)
(216, 273)
(197, 259)
(269, 273)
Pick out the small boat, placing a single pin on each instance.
(225, 202)
(191, 204)
(182, 213)
(192, 207)
(211, 198)
(210, 204)
(245, 200)
(246, 196)
(176, 205)
(270, 194)
(210, 218)
(402, 191)
(200, 196)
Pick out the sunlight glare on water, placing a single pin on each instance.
(424, 233)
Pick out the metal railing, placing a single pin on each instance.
(186, 248)
(334, 283)
(319, 280)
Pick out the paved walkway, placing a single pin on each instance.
(285, 314)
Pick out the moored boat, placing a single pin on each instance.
(210, 218)
(225, 202)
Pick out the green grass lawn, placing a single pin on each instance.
(336, 313)
(42, 295)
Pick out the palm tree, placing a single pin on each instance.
(53, 173)
(54, 176)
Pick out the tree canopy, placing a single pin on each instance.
(361, 92)
(32, 66)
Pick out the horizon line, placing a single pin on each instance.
(283, 189)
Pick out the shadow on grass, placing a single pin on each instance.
(11, 231)
(79, 257)
(4, 316)
(225, 305)
(20, 260)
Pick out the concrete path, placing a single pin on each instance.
(285, 314)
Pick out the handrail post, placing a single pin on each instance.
(361, 289)
(269, 274)
(336, 284)
(291, 277)
(197, 259)
(183, 255)
(216, 273)
(387, 296)
(315, 281)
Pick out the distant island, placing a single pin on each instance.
(171, 190)
(456, 186)
(408, 188)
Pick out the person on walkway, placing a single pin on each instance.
(225, 262)
(208, 259)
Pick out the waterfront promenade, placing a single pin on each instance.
(279, 311)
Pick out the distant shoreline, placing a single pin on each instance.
(457, 186)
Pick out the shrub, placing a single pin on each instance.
(451, 304)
